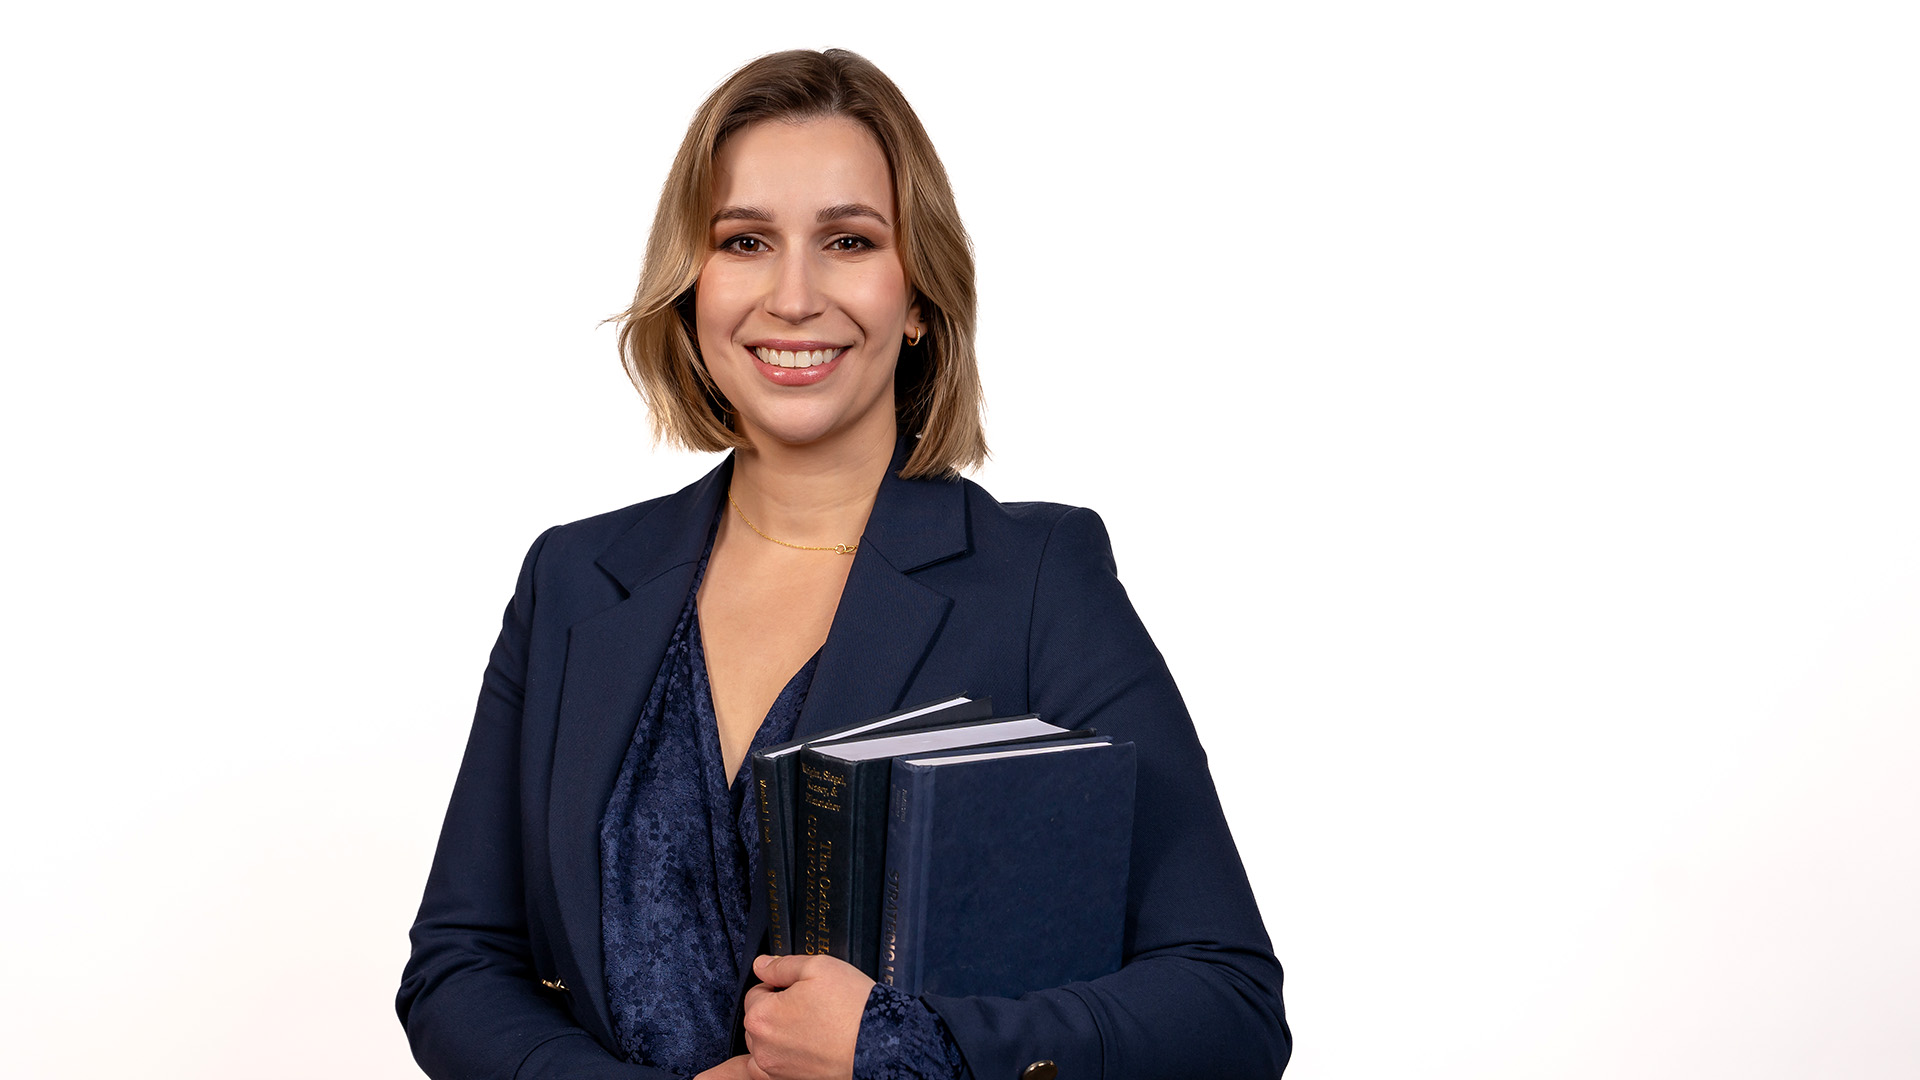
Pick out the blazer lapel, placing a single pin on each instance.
(883, 629)
(887, 622)
(612, 659)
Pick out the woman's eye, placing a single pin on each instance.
(746, 245)
(849, 243)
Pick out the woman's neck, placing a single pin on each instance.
(817, 494)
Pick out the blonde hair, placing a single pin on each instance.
(937, 383)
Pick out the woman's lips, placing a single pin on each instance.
(797, 366)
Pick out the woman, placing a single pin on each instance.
(807, 302)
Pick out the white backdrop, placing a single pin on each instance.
(1504, 413)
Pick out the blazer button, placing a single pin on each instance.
(1040, 1070)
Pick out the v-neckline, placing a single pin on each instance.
(703, 684)
(763, 735)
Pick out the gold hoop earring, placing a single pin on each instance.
(915, 339)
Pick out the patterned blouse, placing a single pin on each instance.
(677, 851)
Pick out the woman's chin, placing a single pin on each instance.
(805, 432)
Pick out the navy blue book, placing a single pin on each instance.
(842, 829)
(776, 795)
(1006, 868)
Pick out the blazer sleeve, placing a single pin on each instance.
(471, 998)
(1198, 994)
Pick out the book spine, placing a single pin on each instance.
(867, 863)
(825, 855)
(787, 798)
(775, 886)
(903, 913)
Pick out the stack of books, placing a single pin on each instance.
(941, 850)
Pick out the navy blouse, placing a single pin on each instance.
(677, 854)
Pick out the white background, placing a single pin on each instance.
(1505, 414)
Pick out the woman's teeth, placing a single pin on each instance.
(803, 358)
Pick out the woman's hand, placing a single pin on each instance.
(803, 1020)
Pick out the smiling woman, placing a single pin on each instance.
(807, 303)
(906, 201)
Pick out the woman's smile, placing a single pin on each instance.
(797, 363)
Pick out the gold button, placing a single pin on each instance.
(1040, 1070)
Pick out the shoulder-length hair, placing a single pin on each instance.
(937, 383)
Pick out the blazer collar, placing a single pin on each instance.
(887, 622)
(914, 524)
(671, 534)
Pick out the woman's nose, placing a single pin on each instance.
(794, 294)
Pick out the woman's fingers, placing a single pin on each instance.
(804, 1018)
(759, 994)
(786, 970)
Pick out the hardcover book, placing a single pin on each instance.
(775, 794)
(1006, 868)
(842, 828)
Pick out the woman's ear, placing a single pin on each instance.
(916, 326)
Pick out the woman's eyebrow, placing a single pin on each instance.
(740, 213)
(831, 213)
(850, 210)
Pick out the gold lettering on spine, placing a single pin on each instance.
(766, 812)
(823, 789)
(820, 789)
(764, 800)
(823, 932)
(890, 929)
(812, 927)
(774, 913)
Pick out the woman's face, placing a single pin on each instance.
(802, 304)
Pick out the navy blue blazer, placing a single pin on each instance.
(951, 592)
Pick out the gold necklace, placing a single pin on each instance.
(843, 549)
